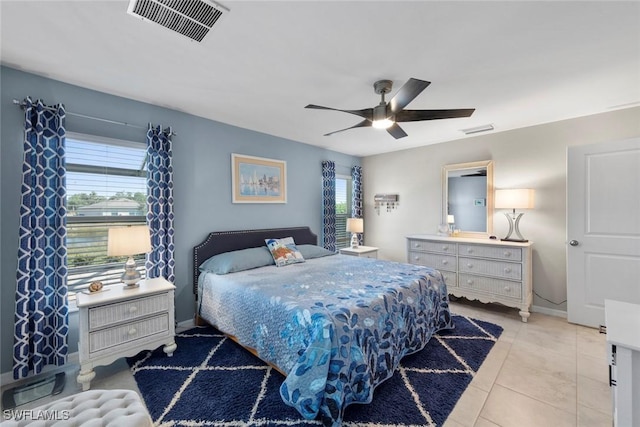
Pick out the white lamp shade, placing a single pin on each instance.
(127, 241)
(355, 225)
(520, 198)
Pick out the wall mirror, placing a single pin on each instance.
(467, 194)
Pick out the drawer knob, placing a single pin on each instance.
(445, 248)
(469, 282)
(469, 250)
(507, 254)
(417, 245)
(132, 331)
(417, 258)
(445, 262)
(470, 265)
(133, 309)
(507, 270)
(507, 289)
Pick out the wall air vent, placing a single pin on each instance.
(191, 18)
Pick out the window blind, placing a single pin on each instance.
(106, 187)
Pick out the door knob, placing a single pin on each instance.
(574, 243)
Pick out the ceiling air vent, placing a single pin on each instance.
(191, 18)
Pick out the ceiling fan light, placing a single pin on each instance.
(382, 124)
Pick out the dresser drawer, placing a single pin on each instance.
(450, 278)
(111, 314)
(500, 252)
(506, 270)
(425, 246)
(111, 337)
(437, 261)
(500, 287)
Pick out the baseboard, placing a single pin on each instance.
(186, 324)
(6, 379)
(549, 311)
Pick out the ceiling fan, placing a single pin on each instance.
(387, 115)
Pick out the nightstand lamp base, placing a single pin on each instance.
(131, 276)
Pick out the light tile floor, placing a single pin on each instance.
(546, 372)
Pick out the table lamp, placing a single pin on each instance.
(520, 198)
(129, 241)
(355, 226)
(451, 220)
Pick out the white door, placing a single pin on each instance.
(603, 228)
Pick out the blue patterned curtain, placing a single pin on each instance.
(160, 261)
(329, 204)
(356, 197)
(41, 315)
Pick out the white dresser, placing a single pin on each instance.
(623, 348)
(478, 269)
(122, 322)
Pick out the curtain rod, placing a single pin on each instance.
(21, 104)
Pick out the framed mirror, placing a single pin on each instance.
(467, 195)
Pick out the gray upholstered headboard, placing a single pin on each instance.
(218, 242)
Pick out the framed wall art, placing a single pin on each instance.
(258, 180)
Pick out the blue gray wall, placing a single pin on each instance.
(202, 173)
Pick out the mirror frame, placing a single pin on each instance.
(489, 206)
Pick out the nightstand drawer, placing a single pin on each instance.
(107, 315)
(504, 252)
(506, 270)
(441, 247)
(117, 335)
(437, 261)
(500, 287)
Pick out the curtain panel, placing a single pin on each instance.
(41, 311)
(329, 205)
(357, 210)
(160, 261)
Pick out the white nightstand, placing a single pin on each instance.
(361, 251)
(122, 322)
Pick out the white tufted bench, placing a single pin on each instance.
(92, 408)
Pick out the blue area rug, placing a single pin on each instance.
(210, 380)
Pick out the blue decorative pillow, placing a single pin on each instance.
(313, 251)
(284, 251)
(243, 259)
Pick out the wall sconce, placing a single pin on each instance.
(521, 198)
(355, 226)
(129, 241)
(391, 200)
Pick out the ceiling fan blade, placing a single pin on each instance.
(362, 124)
(418, 115)
(366, 113)
(396, 131)
(407, 93)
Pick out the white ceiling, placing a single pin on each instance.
(518, 63)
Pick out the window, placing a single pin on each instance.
(106, 187)
(343, 210)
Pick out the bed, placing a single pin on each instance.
(335, 325)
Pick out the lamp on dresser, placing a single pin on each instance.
(129, 241)
(520, 198)
(355, 226)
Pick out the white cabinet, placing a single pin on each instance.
(623, 346)
(361, 251)
(120, 321)
(478, 269)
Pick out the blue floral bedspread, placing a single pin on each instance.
(338, 325)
